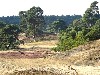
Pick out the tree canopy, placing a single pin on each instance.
(91, 14)
(9, 37)
(32, 21)
(81, 30)
(57, 26)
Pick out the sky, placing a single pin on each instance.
(50, 7)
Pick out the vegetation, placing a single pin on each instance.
(33, 23)
(11, 19)
(36, 58)
(48, 19)
(52, 18)
(81, 30)
(57, 26)
(8, 36)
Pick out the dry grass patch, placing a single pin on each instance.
(42, 44)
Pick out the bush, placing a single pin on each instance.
(67, 42)
(9, 37)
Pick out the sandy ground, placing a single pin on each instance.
(45, 59)
(10, 65)
(42, 44)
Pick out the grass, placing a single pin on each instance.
(11, 66)
(42, 44)
(23, 66)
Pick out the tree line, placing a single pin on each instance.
(11, 19)
(73, 30)
(48, 19)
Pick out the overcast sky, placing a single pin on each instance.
(50, 7)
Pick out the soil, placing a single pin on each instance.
(24, 53)
(79, 60)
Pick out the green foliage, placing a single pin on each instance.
(57, 26)
(10, 20)
(69, 40)
(81, 30)
(2, 24)
(48, 19)
(80, 39)
(9, 37)
(91, 14)
(94, 31)
(32, 21)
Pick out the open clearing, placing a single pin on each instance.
(23, 62)
(42, 44)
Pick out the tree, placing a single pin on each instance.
(91, 14)
(57, 26)
(23, 23)
(80, 39)
(32, 21)
(2, 24)
(81, 30)
(9, 37)
(94, 32)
